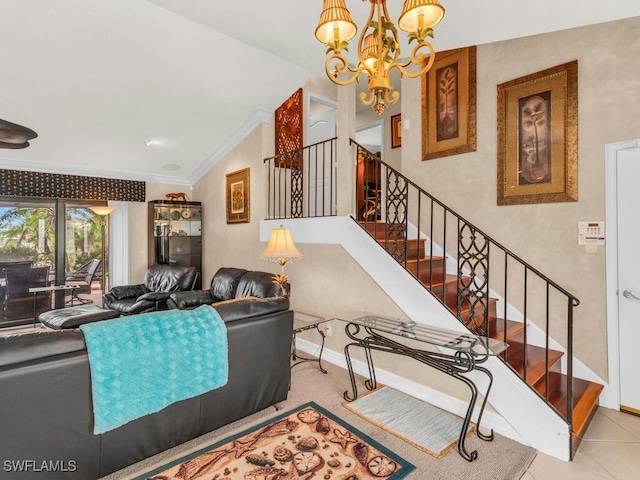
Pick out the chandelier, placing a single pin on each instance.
(378, 47)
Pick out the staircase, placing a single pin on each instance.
(488, 288)
(526, 360)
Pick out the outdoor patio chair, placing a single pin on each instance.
(18, 299)
(4, 266)
(83, 280)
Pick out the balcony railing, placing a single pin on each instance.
(302, 183)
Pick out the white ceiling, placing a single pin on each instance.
(98, 79)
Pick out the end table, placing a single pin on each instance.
(306, 320)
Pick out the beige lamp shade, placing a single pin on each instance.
(280, 248)
(419, 14)
(102, 210)
(335, 23)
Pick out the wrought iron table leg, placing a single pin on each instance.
(301, 359)
(462, 450)
(371, 383)
(481, 435)
(352, 377)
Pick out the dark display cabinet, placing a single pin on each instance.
(175, 234)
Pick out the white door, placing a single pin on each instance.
(628, 203)
(321, 165)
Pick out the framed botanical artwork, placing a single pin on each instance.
(396, 131)
(449, 104)
(238, 196)
(538, 137)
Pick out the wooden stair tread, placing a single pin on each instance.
(585, 398)
(497, 326)
(535, 360)
(430, 270)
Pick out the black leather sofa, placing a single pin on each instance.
(47, 414)
(234, 293)
(159, 282)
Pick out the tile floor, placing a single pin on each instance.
(610, 450)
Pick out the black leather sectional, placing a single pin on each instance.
(46, 415)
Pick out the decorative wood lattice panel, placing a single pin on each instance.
(18, 183)
(289, 124)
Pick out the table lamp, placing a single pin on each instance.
(281, 250)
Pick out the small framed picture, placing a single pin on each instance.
(396, 131)
(238, 196)
(449, 104)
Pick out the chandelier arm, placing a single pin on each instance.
(340, 67)
(367, 101)
(391, 97)
(417, 58)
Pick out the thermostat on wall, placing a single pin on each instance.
(591, 233)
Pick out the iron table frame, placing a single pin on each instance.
(467, 357)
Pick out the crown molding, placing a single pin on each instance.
(30, 166)
(257, 117)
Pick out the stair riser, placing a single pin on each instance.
(431, 271)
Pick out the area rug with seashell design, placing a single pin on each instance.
(308, 442)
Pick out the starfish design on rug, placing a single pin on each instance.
(241, 447)
(343, 438)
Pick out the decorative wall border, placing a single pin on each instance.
(19, 183)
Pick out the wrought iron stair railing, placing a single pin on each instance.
(490, 289)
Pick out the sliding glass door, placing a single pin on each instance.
(46, 243)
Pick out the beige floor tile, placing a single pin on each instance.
(527, 476)
(603, 427)
(630, 423)
(621, 460)
(583, 467)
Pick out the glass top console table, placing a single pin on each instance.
(459, 353)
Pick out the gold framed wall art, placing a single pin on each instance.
(449, 104)
(396, 131)
(238, 196)
(538, 137)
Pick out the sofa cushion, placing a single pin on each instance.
(38, 344)
(258, 284)
(240, 308)
(225, 283)
(167, 278)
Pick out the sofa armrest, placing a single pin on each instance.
(188, 300)
(247, 307)
(155, 296)
(128, 291)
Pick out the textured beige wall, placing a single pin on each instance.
(327, 279)
(545, 235)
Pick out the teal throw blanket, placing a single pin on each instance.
(143, 363)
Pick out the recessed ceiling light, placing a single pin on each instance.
(151, 143)
(171, 166)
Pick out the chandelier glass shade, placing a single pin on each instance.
(378, 46)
